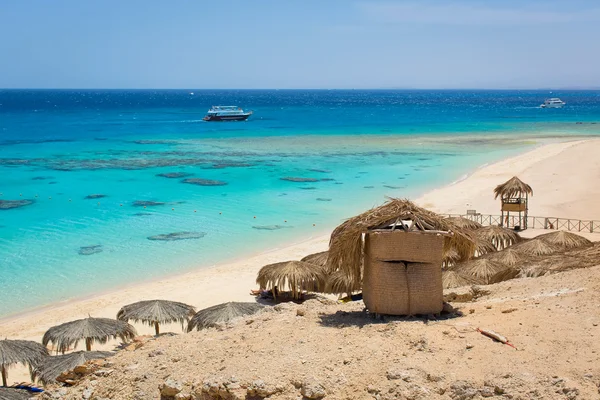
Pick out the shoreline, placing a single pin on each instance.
(230, 280)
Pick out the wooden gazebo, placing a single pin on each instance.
(514, 195)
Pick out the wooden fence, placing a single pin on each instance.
(566, 224)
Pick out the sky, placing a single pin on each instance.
(427, 44)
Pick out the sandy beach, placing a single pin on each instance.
(560, 174)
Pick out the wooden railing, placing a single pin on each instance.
(567, 224)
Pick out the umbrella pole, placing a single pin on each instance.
(88, 344)
(4, 377)
(156, 328)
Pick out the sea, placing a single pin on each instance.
(100, 189)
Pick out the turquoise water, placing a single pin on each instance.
(345, 150)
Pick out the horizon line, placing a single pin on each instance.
(290, 89)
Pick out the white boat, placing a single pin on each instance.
(554, 102)
(226, 113)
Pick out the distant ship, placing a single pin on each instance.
(554, 102)
(226, 113)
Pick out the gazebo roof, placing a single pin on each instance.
(514, 187)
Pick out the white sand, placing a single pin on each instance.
(564, 177)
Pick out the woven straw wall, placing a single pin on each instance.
(402, 273)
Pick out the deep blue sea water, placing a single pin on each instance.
(350, 149)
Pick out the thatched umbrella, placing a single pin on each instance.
(91, 329)
(449, 258)
(479, 268)
(500, 237)
(155, 312)
(346, 244)
(14, 394)
(508, 257)
(483, 246)
(514, 187)
(566, 240)
(464, 223)
(452, 279)
(53, 367)
(317, 258)
(222, 313)
(339, 282)
(297, 275)
(24, 352)
(536, 247)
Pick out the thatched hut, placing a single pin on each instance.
(215, 316)
(99, 330)
(565, 240)
(464, 223)
(14, 394)
(453, 279)
(536, 247)
(317, 258)
(514, 195)
(156, 312)
(338, 282)
(53, 367)
(499, 236)
(480, 269)
(297, 276)
(449, 258)
(24, 352)
(402, 248)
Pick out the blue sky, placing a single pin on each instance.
(299, 44)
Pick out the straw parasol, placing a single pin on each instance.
(24, 352)
(155, 312)
(479, 268)
(500, 237)
(450, 257)
(346, 244)
(536, 247)
(566, 240)
(514, 187)
(297, 275)
(508, 273)
(222, 313)
(317, 258)
(464, 223)
(91, 329)
(453, 279)
(483, 246)
(14, 394)
(339, 282)
(53, 367)
(508, 257)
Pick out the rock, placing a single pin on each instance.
(300, 312)
(104, 372)
(261, 389)
(89, 250)
(83, 369)
(486, 392)
(469, 346)
(145, 203)
(168, 237)
(174, 175)
(203, 182)
(183, 396)
(458, 295)
(296, 179)
(9, 204)
(269, 227)
(156, 352)
(170, 388)
(462, 390)
(312, 389)
(94, 196)
(394, 374)
(87, 393)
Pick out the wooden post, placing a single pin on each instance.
(156, 328)
(88, 344)
(4, 377)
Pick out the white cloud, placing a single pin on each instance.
(467, 13)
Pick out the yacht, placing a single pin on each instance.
(554, 102)
(226, 113)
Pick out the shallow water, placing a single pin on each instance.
(130, 186)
